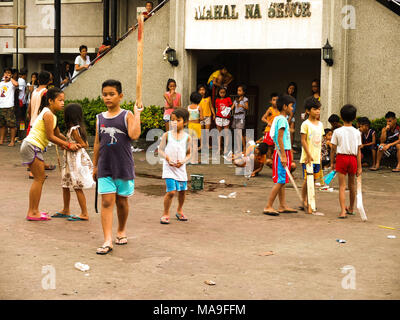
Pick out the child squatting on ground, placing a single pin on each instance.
(346, 142)
(312, 131)
(175, 149)
(280, 133)
(44, 129)
(113, 161)
(77, 169)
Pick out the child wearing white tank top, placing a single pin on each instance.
(175, 149)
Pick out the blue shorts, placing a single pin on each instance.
(175, 185)
(123, 188)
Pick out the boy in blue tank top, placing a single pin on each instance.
(113, 161)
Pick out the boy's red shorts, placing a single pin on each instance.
(267, 139)
(346, 163)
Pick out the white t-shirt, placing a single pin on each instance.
(22, 90)
(347, 140)
(7, 90)
(175, 150)
(79, 61)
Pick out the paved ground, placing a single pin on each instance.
(221, 242)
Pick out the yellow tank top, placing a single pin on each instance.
(274, 113)
(37, 135)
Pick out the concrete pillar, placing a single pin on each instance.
(19, 19)
(334, 78)
(185, 73)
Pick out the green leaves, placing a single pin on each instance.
(151, 117)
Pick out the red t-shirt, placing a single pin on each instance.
(222, 106)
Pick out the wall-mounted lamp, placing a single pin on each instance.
(327, 53)
(171, 56)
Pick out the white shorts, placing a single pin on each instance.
(222, 122)
(206, 121)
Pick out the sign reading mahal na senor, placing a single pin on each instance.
(253, 11)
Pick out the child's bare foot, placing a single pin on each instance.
(11, 144)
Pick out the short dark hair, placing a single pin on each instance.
(23, 72)
(195, 97)
(263, 148)
(274, 94)
(7, 69)
(112, 83)
(243, 86)
(181, 113)
(312, 103)
(82, 47)
(283, 100)
(327, 130)
(348, 112)
(390, 114)
(44, 78)
(150, 3)
(334, 118)
(364, 121)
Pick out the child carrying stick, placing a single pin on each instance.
(346, 142)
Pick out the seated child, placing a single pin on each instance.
(368, 139)
(334, 120)
(390, 142)
(326, 148)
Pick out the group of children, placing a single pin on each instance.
(372, 152)
(202, 114)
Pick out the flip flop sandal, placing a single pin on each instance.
(288, 211)
(60, 215)
(350, 213)
(396, 170)
(340, 217)
(76, 218)
(43, 217)
(109, 249)
(118, 241)
(164, 220)
(271, 213)
(374, 169)
(31, 177)
(181, 217)
(51, 167)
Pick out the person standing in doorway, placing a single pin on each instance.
(240, 107)
(172, 101)
(219, 79)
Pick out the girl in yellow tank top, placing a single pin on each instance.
(44, 129)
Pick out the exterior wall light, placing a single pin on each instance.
(327, 53)
(171, 56)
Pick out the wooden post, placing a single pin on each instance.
(139, 65)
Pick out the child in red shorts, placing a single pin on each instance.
(346, 142)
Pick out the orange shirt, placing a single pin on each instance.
(274, 113)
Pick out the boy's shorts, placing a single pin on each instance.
(267, 139)
(316, 170)
(346, 164)
(175, 185)
(222, 122)
(279, 174)
(7, 117)
(123, 188)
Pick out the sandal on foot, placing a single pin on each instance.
(396, 170)
(374, 169)
(50, 167)
(164, 220)
(109, 249)
(350, 213)
(342, 217)
(43, 217)
(181, 217)
(60, 215)
(271, 213)
(76, 218)
(288, 211)
(119, 241)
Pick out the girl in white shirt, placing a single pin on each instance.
(81, 62)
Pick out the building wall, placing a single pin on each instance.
(373, 60)
(120, 64)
